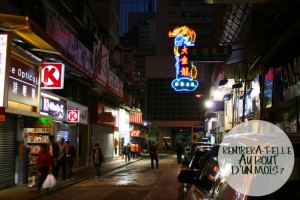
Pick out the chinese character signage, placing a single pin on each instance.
(186, 72)
(135, 133)
(23, 83)
(52, 75)
(53, 107)
(216, 54)
(4, 41)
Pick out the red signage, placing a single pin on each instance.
(2, 114)
(2, 118)
(106, 117)
(135, 133)
(73, 116)
(52, 75)
(136, 118)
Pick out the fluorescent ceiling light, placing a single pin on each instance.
(50, 96)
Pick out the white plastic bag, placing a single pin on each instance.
(50, 181)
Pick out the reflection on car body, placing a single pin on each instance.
(200, 152)
(210, 182)
(192, 147)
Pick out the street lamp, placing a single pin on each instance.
(209, 104)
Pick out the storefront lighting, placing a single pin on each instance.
(50, 96)
(43, 113)
(45, 51)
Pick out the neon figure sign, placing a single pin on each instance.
(186, 72)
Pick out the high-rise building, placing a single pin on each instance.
(134, 6)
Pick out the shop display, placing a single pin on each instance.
(34, 137)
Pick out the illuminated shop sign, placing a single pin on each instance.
(135, 133)
(52, 75)
(53, 107)
(83, 111)
(186, 72)
(4, 39)
(23, 83)
(73, 116)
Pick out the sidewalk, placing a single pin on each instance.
(81, 174)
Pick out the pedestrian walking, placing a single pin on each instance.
(179, 151)
(137, 150)
(126, 152)
(43, 165)
(132, 150)
(98, 159)
(61, 163)
(153, 154)
(70, 159)
(54, 152)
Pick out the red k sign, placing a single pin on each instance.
(73, 116)
(52, 76)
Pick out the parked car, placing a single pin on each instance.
(196, 163)
(190, 149)
(205, 186)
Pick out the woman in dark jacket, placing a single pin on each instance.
(97, 159)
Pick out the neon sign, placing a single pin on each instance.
(186, 72)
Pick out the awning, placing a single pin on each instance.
(23, 27)
(37, 42)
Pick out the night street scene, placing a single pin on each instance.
(150, 99)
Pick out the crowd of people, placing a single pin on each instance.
(55, 156)
(131, 150)
(52, 157)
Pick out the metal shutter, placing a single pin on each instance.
(8, 130)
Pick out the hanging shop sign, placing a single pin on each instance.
(52, 75)
(83, 111)
(4, 49)
(23, 83)
(53, 107)
(186, 72)
(135, 133)
(73, 116)
(135, 118)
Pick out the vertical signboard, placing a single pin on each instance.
(4, 49)
(186, 72)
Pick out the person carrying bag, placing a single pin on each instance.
(44, 165)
